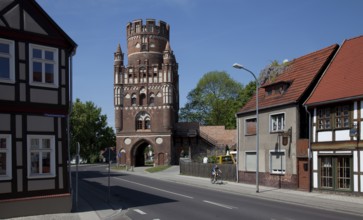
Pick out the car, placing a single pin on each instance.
(225, 159)
(81, 160)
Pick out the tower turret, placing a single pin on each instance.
(118, 56)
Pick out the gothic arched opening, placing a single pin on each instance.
(144, 155)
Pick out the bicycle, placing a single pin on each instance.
(215, 178)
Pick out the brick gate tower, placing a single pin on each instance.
(146, 95)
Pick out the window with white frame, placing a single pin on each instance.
(277, 122)
(43, 65)
(5, 157)
(7, 60)
(41, 156)
(251, 160)
(277, 162)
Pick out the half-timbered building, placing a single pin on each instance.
(35, 84)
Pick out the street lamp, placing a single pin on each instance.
(239, 66)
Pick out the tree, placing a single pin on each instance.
(89, 128)
(214, 101)
(271, 71)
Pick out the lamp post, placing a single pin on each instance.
(239, 66)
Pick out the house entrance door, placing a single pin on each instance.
(303, 171)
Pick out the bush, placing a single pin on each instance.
(212, 159)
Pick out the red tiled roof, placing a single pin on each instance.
(343, 79)
(300, 73)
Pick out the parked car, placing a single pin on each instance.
(81, 160)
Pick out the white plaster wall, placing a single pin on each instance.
(40, 123)
(315, 160)
(5, 187)
(41, 184)
(5, 122)
(342, 135)
(315, 179)
(325, 136)
(355, 177)
(7, 92)
(355, 161)
(44, 96)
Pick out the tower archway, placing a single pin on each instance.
(143, 154)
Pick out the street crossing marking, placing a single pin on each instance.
(139, 211)
(220, 205)
(162, 190)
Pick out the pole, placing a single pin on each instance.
(77, 162)
(109, 170)
(257, 136)
(239, 66)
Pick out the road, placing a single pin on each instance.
(144, 198)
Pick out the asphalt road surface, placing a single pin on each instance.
(144, 198)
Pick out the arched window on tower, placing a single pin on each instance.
(117, 96)
(139, 123)
(147, 123)
(152, 99)
(142, 99)
(143, 121)
(133, 100)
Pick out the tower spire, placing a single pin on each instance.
(118, 56)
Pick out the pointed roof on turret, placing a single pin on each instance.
(167, 46)
(118, 50)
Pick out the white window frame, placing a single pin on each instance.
(51, 150)
(11, 57)
(251, 153)
(7, 151)
(283, 121)
(43, 61)
(283, 168)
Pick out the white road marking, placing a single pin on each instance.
(162, 190)
(139, 211)
(220, 205)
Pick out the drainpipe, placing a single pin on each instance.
(309, 152)
(68, 117)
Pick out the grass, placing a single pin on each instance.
(118, 167)
(157, 169)
(150, 170)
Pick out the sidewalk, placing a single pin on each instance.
(333, 202)
(340, 203)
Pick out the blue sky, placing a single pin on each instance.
(206, 35)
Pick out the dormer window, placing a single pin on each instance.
(278, 88)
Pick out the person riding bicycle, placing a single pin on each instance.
(215, 171)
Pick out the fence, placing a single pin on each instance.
(205, 169)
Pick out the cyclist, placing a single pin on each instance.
(215, 172)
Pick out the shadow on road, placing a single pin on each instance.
(94, 193)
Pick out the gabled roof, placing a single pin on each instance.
(343, 79)
(299, 74)
(26, 20)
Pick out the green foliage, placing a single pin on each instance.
(215, 100)
(89, 128)
(271, 71)
(212, 159)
